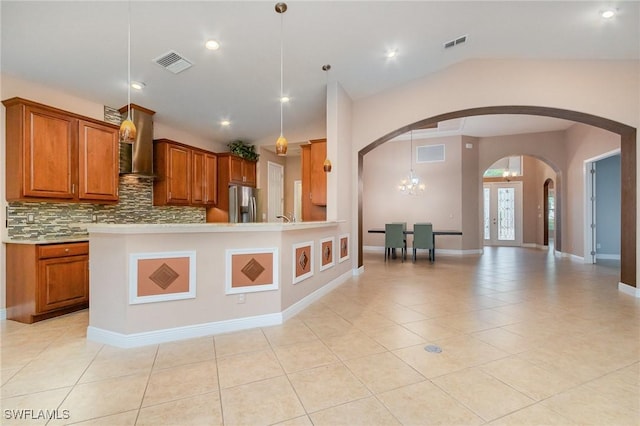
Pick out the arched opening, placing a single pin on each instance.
(628, 170)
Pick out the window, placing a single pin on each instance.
(511, 165)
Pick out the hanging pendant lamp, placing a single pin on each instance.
(127, 128)
(281, 143)
(411, 185)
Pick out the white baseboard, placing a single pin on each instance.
(607, 256)
(3, 314)
(180, 333)
(207, 329)
(445, 252)
(627, 289)
(301, 304)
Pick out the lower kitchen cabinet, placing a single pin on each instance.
(46, 280)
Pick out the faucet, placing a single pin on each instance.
(283, 217)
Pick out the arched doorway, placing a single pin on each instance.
(628, 170)
(549, 213)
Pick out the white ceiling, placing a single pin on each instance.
(81, 47)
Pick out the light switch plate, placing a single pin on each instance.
(31, 218)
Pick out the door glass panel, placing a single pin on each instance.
(506, 214)
(487, 214)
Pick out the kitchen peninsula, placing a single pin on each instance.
(161, 282)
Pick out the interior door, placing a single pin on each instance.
(275, 202)
(502, 213)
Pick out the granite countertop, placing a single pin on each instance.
(58, 240)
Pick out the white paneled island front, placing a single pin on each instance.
(162, 282)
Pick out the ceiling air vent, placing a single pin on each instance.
(455, 42)
(173, 62)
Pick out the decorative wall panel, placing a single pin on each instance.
(158, 277)
(327, 256)
(344, 247)
(251, 270)
(302, 261)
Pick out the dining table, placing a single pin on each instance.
(410, 232)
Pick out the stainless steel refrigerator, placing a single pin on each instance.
(242, 204)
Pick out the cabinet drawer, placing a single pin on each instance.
(61, 250)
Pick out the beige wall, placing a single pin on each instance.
(292, 173)
(583, 143)
(608, 89)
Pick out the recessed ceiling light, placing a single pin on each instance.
(391, 53)
(608, 14)
(225, 123)
(284, 99)
(212, 45)
(138, 85)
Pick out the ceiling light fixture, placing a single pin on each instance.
(284, 99)
(411, 185)
(392, 53)
(608, 14)
(138, 85)
(127, 128)
(281, 143)
(225, 123)
(212, 45)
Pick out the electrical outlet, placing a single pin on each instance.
(241, 298)
(94, 218)
(31, 218)
(598, 245)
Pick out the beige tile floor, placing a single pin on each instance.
(527, 339)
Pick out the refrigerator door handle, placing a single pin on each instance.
(252, 206)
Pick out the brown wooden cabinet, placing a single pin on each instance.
(186, 176)
(310, 210)
(46, 280)
(232, 170)
(57, 155)
(204, 186)
(318, 175)
(241, 171)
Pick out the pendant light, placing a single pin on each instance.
(281, 143)
(411, 185)
(326, 166)
(127, 128)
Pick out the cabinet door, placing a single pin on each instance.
(318, 175)
(62, 282)
(236, 170)
(198, 188)
(49, 149)
(249, 172)
(97, 162)
(179, 175)
(210, 179)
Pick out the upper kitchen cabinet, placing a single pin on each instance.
(56, 155)
(185, 176)
(312, 183)
(172, 167)
(237, 170)
(204, 185)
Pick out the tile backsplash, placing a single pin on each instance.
(46, 220)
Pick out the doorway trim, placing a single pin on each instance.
(627, 169)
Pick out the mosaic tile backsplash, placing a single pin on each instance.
(62, 220)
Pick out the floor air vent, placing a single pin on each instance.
(172, 61)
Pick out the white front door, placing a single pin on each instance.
(502, 213)
(275, 202)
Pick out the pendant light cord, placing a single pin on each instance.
(281, 68)
(129, 61)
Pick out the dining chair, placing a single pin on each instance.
(423, 239)
(404, 228)
(394, 238)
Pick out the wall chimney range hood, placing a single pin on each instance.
(137, 158)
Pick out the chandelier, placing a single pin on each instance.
(411, 184)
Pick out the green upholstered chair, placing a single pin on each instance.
(394, 238)
(423, 239)
(404, 228)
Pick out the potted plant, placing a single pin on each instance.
(243, 150)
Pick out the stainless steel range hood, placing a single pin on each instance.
(137, 158)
